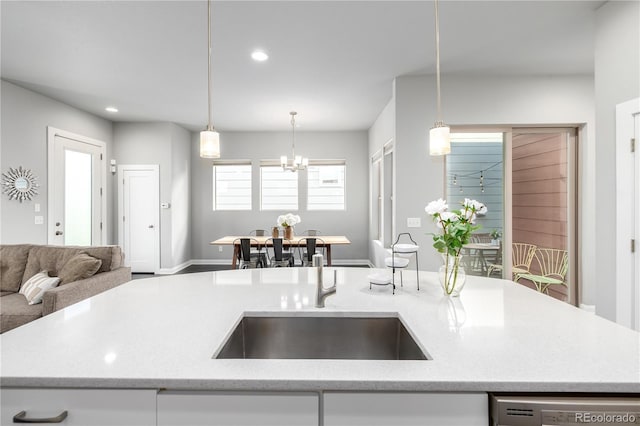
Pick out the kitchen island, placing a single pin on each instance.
(161, 333)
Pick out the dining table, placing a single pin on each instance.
(477, 251)
(326, 241)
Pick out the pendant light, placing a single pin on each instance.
(439, 135)
(209, 138)
(297, 162)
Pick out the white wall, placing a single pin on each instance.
(481, 101)
(382, 131)
(167, 145)
(180, 209)
(209, 225)
(617, 79)
(25, 116)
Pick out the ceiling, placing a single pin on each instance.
(332, 61)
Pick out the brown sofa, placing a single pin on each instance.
(20, 262)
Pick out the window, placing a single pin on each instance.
(232, 186)
(326, 186)
(278, 188)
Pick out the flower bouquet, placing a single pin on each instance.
(288, 221)
(457, 227)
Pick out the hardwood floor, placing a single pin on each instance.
(206, 268)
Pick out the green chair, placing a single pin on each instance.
(521, 256)
(554, 264)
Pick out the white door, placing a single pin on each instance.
(76, 174)
(139, 216)
(628, 214)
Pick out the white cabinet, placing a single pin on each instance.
(84, 407)
(405, 409)
(179, 408)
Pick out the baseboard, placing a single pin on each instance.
(589, 308)
(210, 262)
(175, 269)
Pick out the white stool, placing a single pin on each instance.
(396, 262)
(380, 278)
(404, 251)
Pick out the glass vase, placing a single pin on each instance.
(452, 275)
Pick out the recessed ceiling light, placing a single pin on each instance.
(259, 56)
(111, 109)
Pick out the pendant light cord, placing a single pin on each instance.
(209, 126)
(293, 135)
(439, 108)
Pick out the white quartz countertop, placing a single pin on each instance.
(162, 332)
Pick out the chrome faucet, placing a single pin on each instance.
(321, 293)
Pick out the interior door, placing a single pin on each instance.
(628, 214)
(139, 217)
(76, 176)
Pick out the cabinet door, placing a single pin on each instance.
(237, 409)
(405, 409)
(85, 407)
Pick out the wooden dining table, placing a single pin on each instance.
(322, 241)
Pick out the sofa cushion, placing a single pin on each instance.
(13, 260)
(111, 256)
(79, 267)
(35, 287)
(17, 311)
(47, 258)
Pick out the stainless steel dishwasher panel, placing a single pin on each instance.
(536, 410)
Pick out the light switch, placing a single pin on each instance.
(36, 207)
(39, 220)
(413, 222)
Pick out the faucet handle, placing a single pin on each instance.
(317, 260)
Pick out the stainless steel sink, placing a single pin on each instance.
(320, 337)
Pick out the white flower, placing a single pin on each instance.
(472, 204)
(482, 210)
(289, 219)
(446, 218)
(437, 206)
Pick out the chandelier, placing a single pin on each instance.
(297, 162)
(209, 138)
(439, 135)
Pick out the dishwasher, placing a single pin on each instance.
(561, 410)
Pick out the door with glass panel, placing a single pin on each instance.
(76, 170)
(475, 170)
(544, 214)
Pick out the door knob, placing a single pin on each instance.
(150, 226)
(58, 232)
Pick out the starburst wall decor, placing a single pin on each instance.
(19, 184)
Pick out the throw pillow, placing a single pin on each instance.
(79, 267)
(35, 287)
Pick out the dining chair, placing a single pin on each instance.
(481, 238)
(553, 264)
(278, 256)
(307, 247)
(246, 258)
(521, 258)
(400, 254)
(475, 260)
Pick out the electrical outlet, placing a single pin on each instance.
(220, 249)
(413, 222)
(39, 220)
